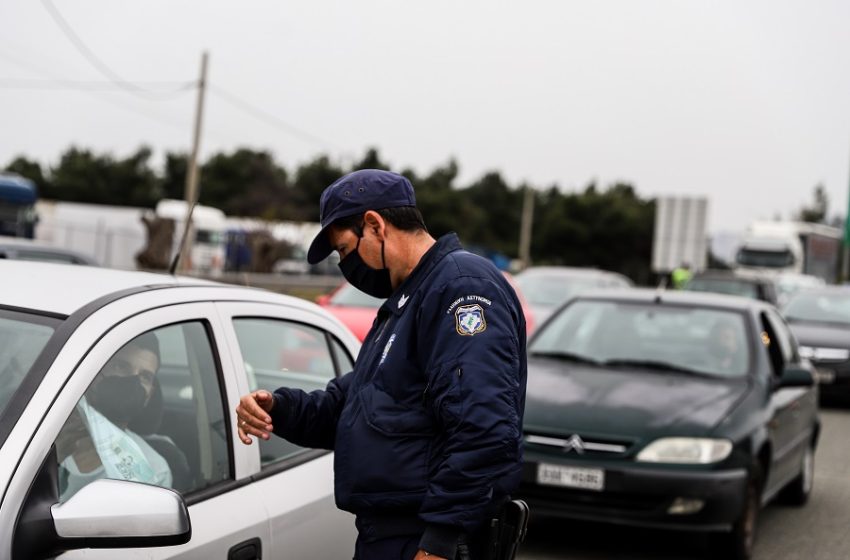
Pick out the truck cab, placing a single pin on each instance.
(17, 206)
(791, 247)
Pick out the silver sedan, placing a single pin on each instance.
(117, 425)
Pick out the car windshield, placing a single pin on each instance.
(551, 291)
(728, 286)
(209, 237)
(819, 308)
(770, 259)
(349, 296)
(22, 338)
(692, 340)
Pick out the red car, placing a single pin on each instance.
(357, 310)
(351, 306)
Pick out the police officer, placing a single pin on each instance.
(427, 429)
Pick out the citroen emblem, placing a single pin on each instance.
(575, 443)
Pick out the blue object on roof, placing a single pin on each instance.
(17, 190)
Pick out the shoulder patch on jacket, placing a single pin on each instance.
(469, 320)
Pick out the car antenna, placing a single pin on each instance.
(172, 270)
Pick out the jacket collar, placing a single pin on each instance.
(397, 302)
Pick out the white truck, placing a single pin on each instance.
(797, 247)
(210, 227)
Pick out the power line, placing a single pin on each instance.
(270, 119)
(81, 85)
(98, 64)
(136, 88)
(94, 93)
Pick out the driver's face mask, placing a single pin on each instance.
(120, 399)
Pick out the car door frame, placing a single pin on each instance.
(311, 500)
(88, 349)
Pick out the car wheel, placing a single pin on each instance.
(798, 490)
(738, 543)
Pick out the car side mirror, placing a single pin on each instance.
(103, 514)
(323, 300)
(795, 376)
(115, 513)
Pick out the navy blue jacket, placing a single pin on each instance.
(429, 422)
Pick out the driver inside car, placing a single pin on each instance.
(101, 438)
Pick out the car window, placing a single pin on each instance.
(280, 353)
(343, 359)
(46, 256)
(154, 413)
(22, 338)
(770, 340)
(729, 286)
(783, 334)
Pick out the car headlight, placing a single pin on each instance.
(687, 451)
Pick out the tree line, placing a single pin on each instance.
(609, 228)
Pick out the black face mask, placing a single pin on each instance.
(376, 283)
(120, 399)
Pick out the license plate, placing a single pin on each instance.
(825, 375)
(571, 477)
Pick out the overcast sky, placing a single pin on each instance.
(747, 103)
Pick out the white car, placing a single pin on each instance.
(106, 454)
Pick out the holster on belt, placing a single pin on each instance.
(507, 530)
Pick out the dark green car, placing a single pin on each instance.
(668, 409)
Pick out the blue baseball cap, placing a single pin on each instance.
(355, 193)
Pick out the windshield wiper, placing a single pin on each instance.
(656, 365)
(566, 356)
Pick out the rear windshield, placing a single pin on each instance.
(694, 340)
(349, 296)
(730, 286)
(46, 256)
(551, 291)
(22, 338)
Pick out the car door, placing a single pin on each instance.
(802, 401)
(787, 404)
(287, 346)
(186, 442)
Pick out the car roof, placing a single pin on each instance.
(64, 288)
(676, 297)
(566, 271)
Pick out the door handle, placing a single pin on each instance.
(252, 549)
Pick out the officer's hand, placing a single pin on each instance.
(252, 416)
(422, 555)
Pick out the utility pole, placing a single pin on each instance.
(191, 190)
(845, 262)
(525, 227)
